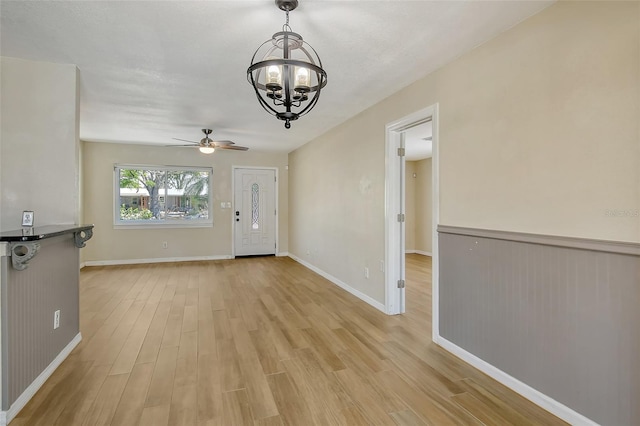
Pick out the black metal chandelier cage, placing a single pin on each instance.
(286, 72)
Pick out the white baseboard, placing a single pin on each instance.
(551, 405)
(283, 254)
(424, 253)
(7, 416)
(360, 295)
(154, 260)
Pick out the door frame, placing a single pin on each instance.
(393, 200)
(233, 205)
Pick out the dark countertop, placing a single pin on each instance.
(42, 232)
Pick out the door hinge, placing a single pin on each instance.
(400, 283)
(400, 217)
(401, 152)
(275, 179)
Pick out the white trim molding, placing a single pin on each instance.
(394, 205)
(551, 405)
(420, 252)
(276, 206)
(155, 260)
(30, 391)
(357, 293)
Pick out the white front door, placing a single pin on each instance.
(254, 212)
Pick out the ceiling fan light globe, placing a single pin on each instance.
(206, 149)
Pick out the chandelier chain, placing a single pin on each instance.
(286, 26)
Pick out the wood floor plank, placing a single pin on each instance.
(353, 415)
(479, 410)
(153, 339)
(131, 405)
(236, 409)
(155, 416)
(290, 405)
(407, 418)
(229, 366)
(270, 421)
(84, 396)
(106, 402)
(260, 396)
(430, 411)
(161, 386)
(209, 391)
(183, 409)
(265, 342)
(320, 390)
(326, 352)
(369, 402)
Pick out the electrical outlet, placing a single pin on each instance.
(366, 272)
(164, 245)
(56, 319)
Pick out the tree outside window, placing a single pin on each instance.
(161, 194)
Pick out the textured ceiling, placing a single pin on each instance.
(153, 70)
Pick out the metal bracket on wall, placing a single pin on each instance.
(81, 237)
(22, 253)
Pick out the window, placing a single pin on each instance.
(163, 195)
(255, 205)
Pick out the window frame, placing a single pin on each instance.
(163, 223)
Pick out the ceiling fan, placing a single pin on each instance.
(208, 145)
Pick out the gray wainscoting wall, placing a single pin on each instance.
(559, 314)
(30, 298)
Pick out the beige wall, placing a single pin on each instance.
(538, 132)
(336, 204)
(423, 207)
(418, 207)
(109, 244)
(39, 151)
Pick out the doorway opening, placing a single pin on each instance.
(396, 214)
(255, 216)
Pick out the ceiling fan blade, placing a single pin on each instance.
(223, 142)
(184, 140)
(233, 147)
(183, 146)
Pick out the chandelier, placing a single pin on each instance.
(286, 72)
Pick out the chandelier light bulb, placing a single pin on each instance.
(274, 78)
(302, 80)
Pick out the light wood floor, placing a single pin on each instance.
(260, 341)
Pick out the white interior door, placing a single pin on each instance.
(255, 211)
